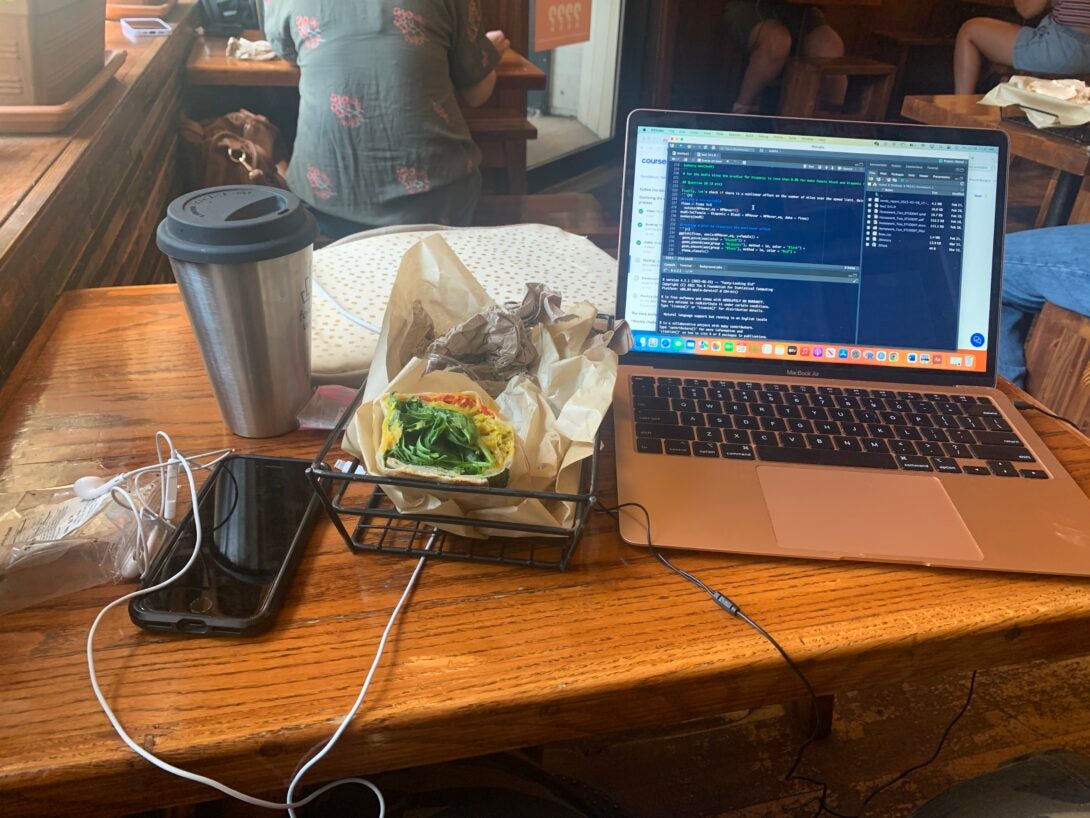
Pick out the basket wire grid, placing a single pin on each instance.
(368, 521)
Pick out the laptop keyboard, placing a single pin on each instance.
(828, 426)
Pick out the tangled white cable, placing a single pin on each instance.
(186, 464)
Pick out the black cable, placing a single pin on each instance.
(731, 608)
(1025, 404)
(728, 605)
(934, 755)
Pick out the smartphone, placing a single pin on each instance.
(137, 28)
(257, 514)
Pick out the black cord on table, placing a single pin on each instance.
(728, 605)
(1025, 404)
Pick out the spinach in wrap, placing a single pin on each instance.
(450, 437)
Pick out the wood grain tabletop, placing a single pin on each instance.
(209, 65)
(964, 111)
(485, 658)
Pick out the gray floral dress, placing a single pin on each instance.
(381, 138)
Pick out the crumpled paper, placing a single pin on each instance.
(1043, 110)
(555, 404)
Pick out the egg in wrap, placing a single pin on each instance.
(450, 437)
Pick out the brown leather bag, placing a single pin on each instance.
(237, 148)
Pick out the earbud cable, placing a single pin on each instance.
(289, 805)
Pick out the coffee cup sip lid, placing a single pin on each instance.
(235, 224)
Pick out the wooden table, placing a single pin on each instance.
(1068, 197)
(486, 658)
(209, 65)
(499, 127)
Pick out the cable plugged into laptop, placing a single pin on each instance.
(1025, 405)
(732, 608)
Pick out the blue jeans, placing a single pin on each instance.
(1051, 264)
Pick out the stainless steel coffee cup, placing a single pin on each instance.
(242, 255)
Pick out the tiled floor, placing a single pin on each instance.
(557, 136)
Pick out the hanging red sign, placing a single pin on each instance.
(561, 22)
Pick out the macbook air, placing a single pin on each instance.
(815, 308)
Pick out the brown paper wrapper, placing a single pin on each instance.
(562, 386)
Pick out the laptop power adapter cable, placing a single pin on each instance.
(732, 608)
(1036, 407)
(187, 465)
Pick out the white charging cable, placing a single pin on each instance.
(324, 293)
(176, 458)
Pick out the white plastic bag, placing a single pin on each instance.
(53, 543)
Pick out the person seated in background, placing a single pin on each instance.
(765, 30)
(381, 138)
(1038, 266)
(1060, 44)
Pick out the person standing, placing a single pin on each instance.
(1060, 44)
(381, 138)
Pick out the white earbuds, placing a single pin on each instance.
(89, 488)
(170, 491)
(92, 487)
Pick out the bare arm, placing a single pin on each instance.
(477, 95)
(1031, 8)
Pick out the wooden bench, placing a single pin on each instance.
(1058, 363)
(869, 86)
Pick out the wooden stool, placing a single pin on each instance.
(869, 86)
(1058, 363)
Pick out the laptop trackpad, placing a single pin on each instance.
(867, 515)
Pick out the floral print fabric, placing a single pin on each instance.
(381, 138)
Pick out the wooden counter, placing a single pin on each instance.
(79, 208)
(209, 64)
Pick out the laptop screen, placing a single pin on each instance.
(806, 248)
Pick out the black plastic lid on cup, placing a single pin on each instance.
(235, 224)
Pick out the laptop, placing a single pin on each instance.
(815, 308)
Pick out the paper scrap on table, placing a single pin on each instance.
(561, 371)
(240, 48)
(1046, 103)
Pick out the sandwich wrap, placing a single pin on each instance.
(450, 437)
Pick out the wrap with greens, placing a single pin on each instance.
(449, 437)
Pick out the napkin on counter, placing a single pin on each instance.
(1046, 103)
(550, 370)
(242, 49)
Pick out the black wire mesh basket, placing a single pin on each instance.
(368, 521)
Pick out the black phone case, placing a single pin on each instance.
(200, 625)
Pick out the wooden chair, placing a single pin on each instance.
(1058, 363)
(870, 84)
